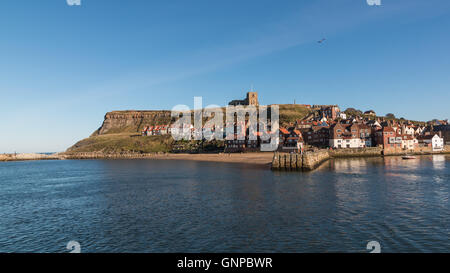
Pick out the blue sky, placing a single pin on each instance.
(63, 67)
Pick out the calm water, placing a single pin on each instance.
(182, 206)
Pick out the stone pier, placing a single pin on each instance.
(299, 162)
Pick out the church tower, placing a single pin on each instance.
(252, 98)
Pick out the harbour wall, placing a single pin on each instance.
(311, 160)
(417, 151)
(358, 152)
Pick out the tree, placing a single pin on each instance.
(353, 112)
(390, 115)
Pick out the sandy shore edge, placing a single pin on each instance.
(243, 158)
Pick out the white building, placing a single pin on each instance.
(343, 115)
(339, 143)
(408, 130)
(436, 142)
(409, 142)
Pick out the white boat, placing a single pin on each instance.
(408, 157)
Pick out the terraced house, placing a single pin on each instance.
(347, 136)
(317, 135)
(387, 136)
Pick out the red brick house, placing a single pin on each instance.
(347, 136)
(317, 136)
(387, 137)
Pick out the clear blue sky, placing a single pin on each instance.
(63, 67)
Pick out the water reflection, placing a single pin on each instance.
(438, 162)
(350, 166)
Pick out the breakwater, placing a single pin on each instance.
(101, 155)
(26, 157)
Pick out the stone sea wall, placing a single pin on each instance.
(306, 161)
(287, 161)
(359, 152)
(311, 160)
(417, 151)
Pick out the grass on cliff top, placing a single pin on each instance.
(124, 142)
(289, 113)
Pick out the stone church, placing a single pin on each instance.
(251, 99)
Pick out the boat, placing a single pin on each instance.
(408, 157)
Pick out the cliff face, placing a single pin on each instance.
(134, 121)
(131, 121)
(120, 133)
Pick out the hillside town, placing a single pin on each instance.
(334, 129)
(327, 127)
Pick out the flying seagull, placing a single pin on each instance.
(321, 41)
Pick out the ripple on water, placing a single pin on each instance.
(160, 206)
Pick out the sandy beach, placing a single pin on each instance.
(244, 158)
(248, 158)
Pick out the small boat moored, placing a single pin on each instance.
(408, 157)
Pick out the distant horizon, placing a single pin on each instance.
(64, 67)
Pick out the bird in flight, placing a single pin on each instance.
(321, 41)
